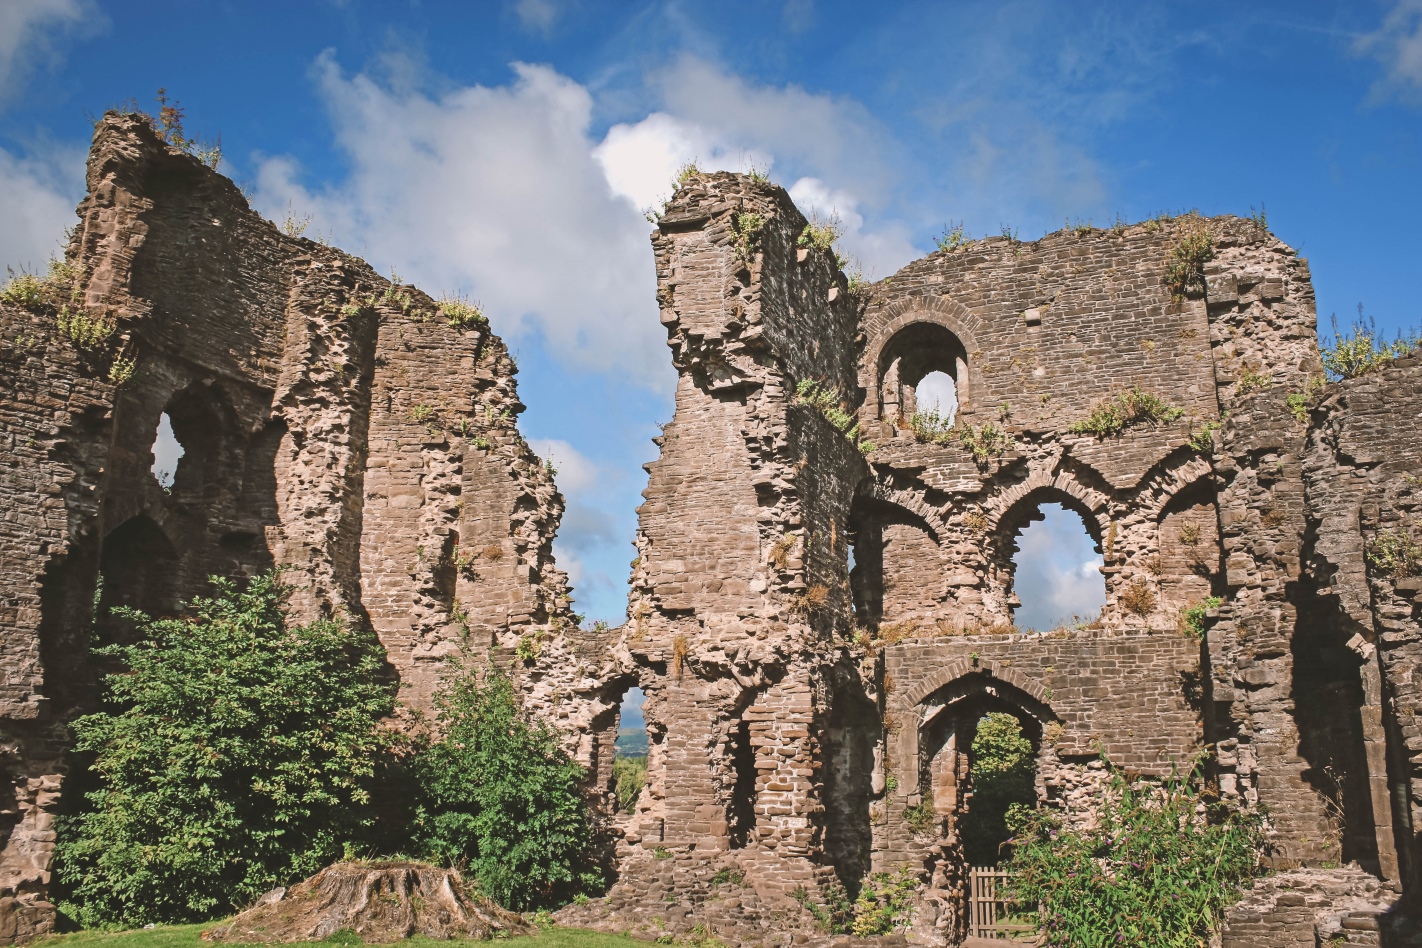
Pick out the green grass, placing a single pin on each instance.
(189, 936)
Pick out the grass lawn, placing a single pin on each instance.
(187, 936)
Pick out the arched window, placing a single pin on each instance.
(1056, 561)
(923, 367)
(894, 563)
(137, 568)
(167, 452)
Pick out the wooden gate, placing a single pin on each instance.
(990, 909)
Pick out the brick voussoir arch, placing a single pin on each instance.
(910, 502)
(886, 323)
(964, 667)
(1057, 479)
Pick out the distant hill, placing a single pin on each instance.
(632, 742)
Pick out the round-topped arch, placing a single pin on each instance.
(910, 340)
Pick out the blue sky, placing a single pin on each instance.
(506, 149)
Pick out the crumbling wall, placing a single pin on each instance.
(347, 428)
(822, 601)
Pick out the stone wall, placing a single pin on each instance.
(332, 422)
(848, 620)
(821, 607)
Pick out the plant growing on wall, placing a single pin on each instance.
(1395, 553)
(1157, 867)
(233, 753)
(828, 403)
(1185, 268)
(1126, 410)
(1360, 349)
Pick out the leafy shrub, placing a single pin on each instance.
(500, 797)
(1204, 439)
(884, 903)
(1137, 599)
(1361, 349)
(1252, 381)
(1125, 410)
(922, 817)
(1185, 268)
(1192, 620)
(85, 331)
(929, 427)
(820, 234)
(984, 443)
(629, 775)
(459, 313)
(1150, 871)
(746, 227)
(953, 238)
(233, 754)
(1003, 776)
(49, 292)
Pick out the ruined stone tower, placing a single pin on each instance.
(821, 607)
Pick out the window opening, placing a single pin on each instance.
(1057, 572)
(166, 452)
(937, 394)
(629, 764)
(743, 799)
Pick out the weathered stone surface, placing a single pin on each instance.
(333, 422)
(817, 626)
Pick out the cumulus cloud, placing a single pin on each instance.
(493, 191)
(502, 192)
(828, 148)
(1058, 571)
(1397, 44)
(27, 31)
(37, 198)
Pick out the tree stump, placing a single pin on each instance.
(378, 901)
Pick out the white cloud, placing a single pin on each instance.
(722, 122)
(641, 160)
(37, 199)
(1397, 44)
(26, 32)
(1058, 572)
(493, 191)
(877, 252)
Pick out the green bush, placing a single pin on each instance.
(1003, 772)
(1185, 268)
(1151, 871)
(501, 798)
(233, 754)
(828, 403)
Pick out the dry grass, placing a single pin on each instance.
(680, 649)
(1138, 599)
(779, 556)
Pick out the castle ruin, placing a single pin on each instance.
(821, 606)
